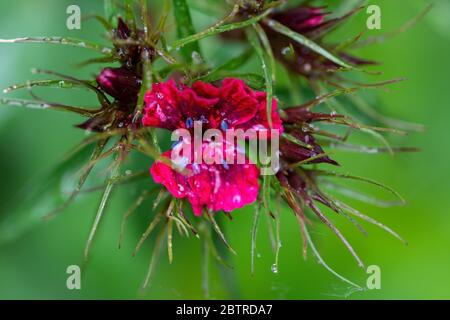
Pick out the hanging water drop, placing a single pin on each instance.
(274, 268)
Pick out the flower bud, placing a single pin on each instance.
(120, 83)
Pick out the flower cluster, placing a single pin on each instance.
(233, 105)
(152, 87)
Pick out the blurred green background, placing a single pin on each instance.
(33, 263)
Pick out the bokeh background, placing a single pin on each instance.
(34, 255)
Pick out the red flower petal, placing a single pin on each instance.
(214, 186)
(234, 103)
(168, 106)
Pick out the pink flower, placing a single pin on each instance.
(233, 105)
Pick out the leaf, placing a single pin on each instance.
(170, 240)
(219, 231)
(58, 84)
(267, 71)
(135, 205)
(353, 194)
(254, 233)
(154, 258)
(62, 41)
(110, 10)
(362, 216)
(148, 231)
(302, 40)
(254, 81)
(207, 236)
(185, 28)
(338, 233)
(352, 177)
(236, 62)
(43, 105)
(101, 208)
(267, 48)
(379, 138)
(216, 30)
(365, 108)
(343, 146)
(325, 97)
(319, 257)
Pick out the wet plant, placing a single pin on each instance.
(153, 78)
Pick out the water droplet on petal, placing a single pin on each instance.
(189, 123)
(236, 199)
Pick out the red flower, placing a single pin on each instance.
(221, 185)
(233, 105)
(216, 186)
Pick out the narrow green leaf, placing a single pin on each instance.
(185, 28)
(321, 261)
(254, 81)
(267, 48)
(58, 84)
(267, 71)
(86, 170)
(148, 231)
(338, 233)
(136, 204)
(216, 30)
(352, 177)
(154, 258)
(62, 41)
(371, 112)
(254, 233)
(302, 40)
(219, 231)
(348, 147)
(101, 209)
(205, 268)
(357, 195)
(362, 216)
(379, 138)
(33, 104)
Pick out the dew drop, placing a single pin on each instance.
(274, 268)
(224, 125)
(196, 58)
(189, 123)
(286, 51)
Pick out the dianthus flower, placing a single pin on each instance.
(233, 105)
